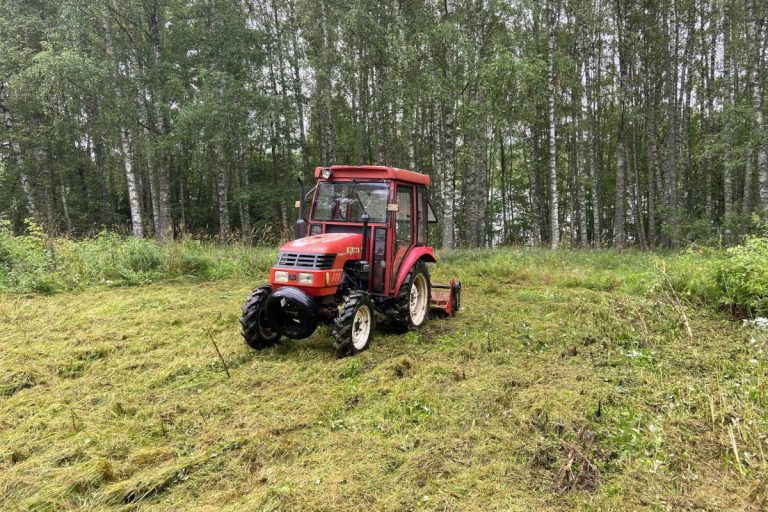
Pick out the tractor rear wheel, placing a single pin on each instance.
(256, 330)
(353, 328)
(414, 298)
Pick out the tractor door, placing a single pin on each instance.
(403, 239)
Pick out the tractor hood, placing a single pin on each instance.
(328, 243)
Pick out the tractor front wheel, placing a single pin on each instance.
(353, 328)
(256, 330)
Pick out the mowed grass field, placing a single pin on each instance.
(570, 381)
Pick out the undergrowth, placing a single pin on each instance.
(735, 278)
(35, 263)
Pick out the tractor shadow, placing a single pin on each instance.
(320, 344)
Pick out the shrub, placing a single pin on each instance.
(743, 277)
(27, 262)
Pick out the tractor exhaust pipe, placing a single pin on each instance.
(364, 250)
(301, 224)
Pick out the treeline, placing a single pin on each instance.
(584, 123)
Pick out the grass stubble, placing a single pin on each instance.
(568, 382)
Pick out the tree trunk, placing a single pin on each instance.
(99, 159)
(151, 94)
(746, 205)
(710, 124)
(554, 220)
(449, 188)
(26, 184)
(26, 187)
(593, 148)
(297, 91)
(134, 192)
(222, 196)
(48, 187)
(534, 187)
(729, 79)
(582, 191)
(670, 193)
(475, 175)
(619, 217)
(481, 191)
(636, 188)
(758, 103)
(652, 171)
(437, 161)
(63, 191)
(578, 142)
(684, 102)
(146, 149)
(503, 185)
(244, 203)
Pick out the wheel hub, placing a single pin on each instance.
(361, 327)
(418, 300)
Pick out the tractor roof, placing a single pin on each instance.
(375, 172)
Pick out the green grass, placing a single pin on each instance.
(568, 382)
(35, 263)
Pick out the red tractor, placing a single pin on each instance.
(366, 254)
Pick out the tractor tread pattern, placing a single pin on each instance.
(402, 320)
(342, 324)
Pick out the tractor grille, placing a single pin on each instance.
(309, 261)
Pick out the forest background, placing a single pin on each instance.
(578, 123)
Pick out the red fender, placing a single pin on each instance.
(416, 254)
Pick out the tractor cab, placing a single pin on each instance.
(387, 207)
(366, 241)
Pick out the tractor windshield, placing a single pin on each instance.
(346, 201)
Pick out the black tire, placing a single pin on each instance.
(256, 331)
(349, 325)
(403, 320)
(456, 299)
(293, 313)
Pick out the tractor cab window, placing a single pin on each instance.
(421, 205)
(346, 201)
(431, 217)
(404, 226)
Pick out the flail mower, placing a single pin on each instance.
(365, 254)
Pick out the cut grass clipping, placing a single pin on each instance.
(570, 381)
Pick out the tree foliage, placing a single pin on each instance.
(563, 122)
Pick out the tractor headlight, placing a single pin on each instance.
(281, 276)
(306, 278)
(326, 173)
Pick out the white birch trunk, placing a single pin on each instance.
(554, 217)
(449, 190)
(223, 201)
(758, 103)
(134, 194)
